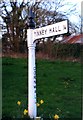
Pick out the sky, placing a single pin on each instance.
(75, 17)
(78, 2)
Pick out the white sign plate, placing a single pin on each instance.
(51, 30)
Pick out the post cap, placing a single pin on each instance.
(31, 23)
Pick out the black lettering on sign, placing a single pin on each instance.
(50, 30)
(35, 82)
(35, 91)
(45, 31)
(37, 33)
(64, 27)
(55, 29)
(59, 28)
(35, 86)
(34, 72)
(34, 76)
(40, 32)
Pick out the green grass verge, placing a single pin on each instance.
(58, 84)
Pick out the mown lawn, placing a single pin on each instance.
(58, 85)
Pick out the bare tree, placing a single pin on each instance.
(15, 24)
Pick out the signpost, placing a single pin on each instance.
(34, 34)
(51, 30)
(31, 69)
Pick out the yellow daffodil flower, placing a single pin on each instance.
(25, 112)
(56, 117)
(41, 101)
(38, 104)
(19, 103)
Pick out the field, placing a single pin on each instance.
(58, 85)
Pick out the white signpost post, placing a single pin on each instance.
(34, 34)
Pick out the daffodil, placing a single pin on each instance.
(41, 101)
(19, 103)
(38, 104)
(56, 117)
(25, 112)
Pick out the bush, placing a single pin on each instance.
(58, 50)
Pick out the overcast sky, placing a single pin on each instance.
(74, 17)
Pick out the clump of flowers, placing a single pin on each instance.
(19, 103)
(25, 112)
(21, 111)
(56, 117)
(40, 102)
(40, 108)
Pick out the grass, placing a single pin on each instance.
(58, 84)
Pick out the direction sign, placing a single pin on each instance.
(51, 30)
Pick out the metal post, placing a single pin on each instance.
(32, 109)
